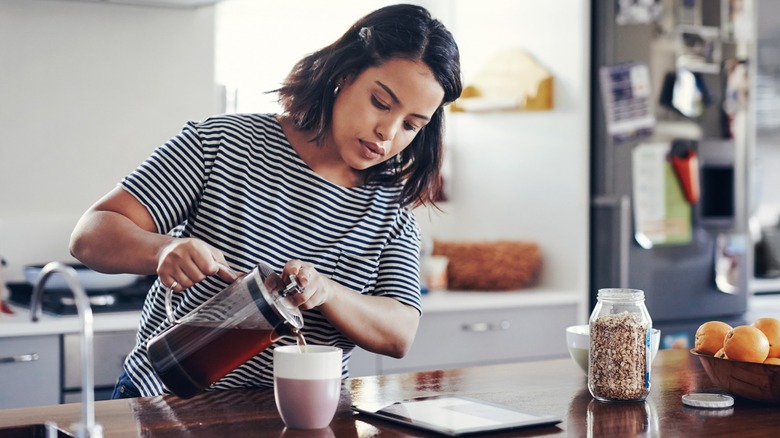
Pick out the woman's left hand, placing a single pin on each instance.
(314, 285)
(376, 323)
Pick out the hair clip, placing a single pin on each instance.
(365, 35)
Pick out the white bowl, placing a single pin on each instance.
(578, 342)
(89, 279)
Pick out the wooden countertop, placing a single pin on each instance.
(556, 387)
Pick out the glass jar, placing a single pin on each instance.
(620, 353)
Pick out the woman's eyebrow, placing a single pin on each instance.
(395, 99)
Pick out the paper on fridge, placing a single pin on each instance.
(662, 215)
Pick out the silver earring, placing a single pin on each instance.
(336, 90)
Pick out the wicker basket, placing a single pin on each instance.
(490, 266)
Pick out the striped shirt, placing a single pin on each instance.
(235, 182)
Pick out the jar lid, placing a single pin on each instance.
(707, 400)
(621, 294)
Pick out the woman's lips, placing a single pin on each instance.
(370, 151)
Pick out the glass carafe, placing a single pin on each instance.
(224, 332)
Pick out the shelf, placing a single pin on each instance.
(763, 285)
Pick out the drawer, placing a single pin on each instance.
(467, 338)
(111, 348)
(364, 363)
(29, 371)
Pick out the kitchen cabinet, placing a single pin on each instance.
(520, 326)
(29, 371)
(111, 348)
(47, 370)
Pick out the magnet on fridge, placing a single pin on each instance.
(686, 166)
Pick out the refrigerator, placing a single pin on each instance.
(669, 157)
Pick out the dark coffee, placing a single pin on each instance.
(191, 356)
(307, 404)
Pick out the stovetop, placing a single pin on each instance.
(61, 302)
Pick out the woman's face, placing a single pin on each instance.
(377, 114)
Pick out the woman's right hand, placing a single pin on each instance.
(186, 261)
(118, 235)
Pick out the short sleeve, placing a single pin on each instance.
(170, 182)
(399, 265)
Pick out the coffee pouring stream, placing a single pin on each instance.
(225, 331)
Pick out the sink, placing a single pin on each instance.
(34, 431)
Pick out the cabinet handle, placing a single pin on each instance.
(20, 358)
(486, 326)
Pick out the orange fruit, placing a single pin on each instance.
(746, 343)
(772, 361)
(771, 328)
(710, 337)
(721, 354)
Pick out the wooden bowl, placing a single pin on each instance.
(753, 381)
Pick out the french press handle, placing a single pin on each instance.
(169, 294)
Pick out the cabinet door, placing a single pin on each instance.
(111, 348)
(29, 371)
(467, 338)
(362, 363)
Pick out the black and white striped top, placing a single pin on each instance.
(235, 182)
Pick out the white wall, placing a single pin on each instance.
(258, 42)
(524, 175)
(87, 91)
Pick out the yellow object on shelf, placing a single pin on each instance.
(511, 81)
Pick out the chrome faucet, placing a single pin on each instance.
(87, 427)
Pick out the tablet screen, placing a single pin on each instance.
(455, 415)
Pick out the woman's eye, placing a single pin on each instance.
(379, 104)
(410, 127)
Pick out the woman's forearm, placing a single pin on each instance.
(378, 324)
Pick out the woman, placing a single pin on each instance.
(322, 191)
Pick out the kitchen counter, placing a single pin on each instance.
(763, 305)
(19, 323)
(444, 301)
(556, 387)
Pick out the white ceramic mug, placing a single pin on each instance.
(307, 385)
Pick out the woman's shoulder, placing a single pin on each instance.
(240, 121)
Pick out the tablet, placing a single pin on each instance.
(455, 415)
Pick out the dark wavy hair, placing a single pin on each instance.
(397, 31)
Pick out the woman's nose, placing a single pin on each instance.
(386, 131)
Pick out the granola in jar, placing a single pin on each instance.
(619, 346)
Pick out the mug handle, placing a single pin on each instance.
(169, 293)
